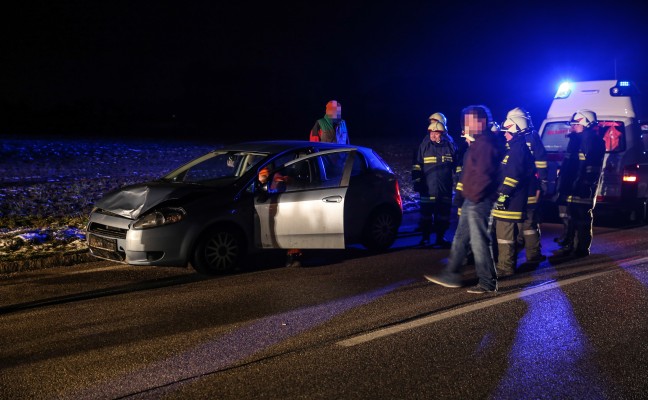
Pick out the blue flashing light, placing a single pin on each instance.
(564, 90)
(623, 88)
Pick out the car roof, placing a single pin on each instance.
(278, 146)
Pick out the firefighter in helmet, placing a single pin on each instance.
(516, 173)
(580, 175)
(432, 172)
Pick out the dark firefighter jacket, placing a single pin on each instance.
(517, 172)
(580, 171)
(433, 168)
(535, 145)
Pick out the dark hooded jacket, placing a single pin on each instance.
(479, 178)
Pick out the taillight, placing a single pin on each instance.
(630, 173)
(397, 195)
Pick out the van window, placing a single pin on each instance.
(555, 137)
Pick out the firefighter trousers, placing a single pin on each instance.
(529, 230)
(506, 233)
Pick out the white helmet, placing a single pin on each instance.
(437, 116)
(587, 118)
(517, 121)
(437, 126)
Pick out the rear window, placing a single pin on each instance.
(376, 162)
(555, 137)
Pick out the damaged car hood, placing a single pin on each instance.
(133, 201)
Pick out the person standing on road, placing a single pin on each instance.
(479, 182)
(432, 172)
(529, 229)
(582, 169)
(517, 172)
(331, 128)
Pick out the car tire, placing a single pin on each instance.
(218, 251)
(381, 229)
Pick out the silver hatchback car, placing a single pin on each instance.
(247, 197)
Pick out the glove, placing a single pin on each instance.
(543, 185)
(502, 202)
(584, 192)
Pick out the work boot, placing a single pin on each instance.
(564, 251)
(561, 240)
(293, 259)
(537, 259)
(425, 241)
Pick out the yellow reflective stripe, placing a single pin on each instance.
(532, 200)
(446, 159)
(510, 182)
(458, 169)
(459, 186)
(459, 211)
(581, 156)
(507, 214)
(505, 160)
(541, 164)
(425, 199)
(579, 200)
(429, 160)
(416, 167)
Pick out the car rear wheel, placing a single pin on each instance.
(381, 230)
(219, 251)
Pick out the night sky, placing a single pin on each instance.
(227, 71)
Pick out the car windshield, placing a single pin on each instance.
(555, 136)
(216, 166)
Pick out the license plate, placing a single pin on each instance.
(102, 243)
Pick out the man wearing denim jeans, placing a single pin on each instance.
(479, 181)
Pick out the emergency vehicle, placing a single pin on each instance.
(623, 187)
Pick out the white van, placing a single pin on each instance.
(624, 184)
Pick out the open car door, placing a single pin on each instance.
(303, 206)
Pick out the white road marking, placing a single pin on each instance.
(391, 330)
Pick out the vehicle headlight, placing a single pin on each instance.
(164, 216)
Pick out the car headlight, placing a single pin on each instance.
(164, 216)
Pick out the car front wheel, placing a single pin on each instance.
(381, 230)
(219, 251)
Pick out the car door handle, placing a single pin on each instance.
(332, 199)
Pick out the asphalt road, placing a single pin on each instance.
(347, 325)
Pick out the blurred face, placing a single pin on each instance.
(334, 110)
(577, 128)
(473, 125)
(435, 136)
